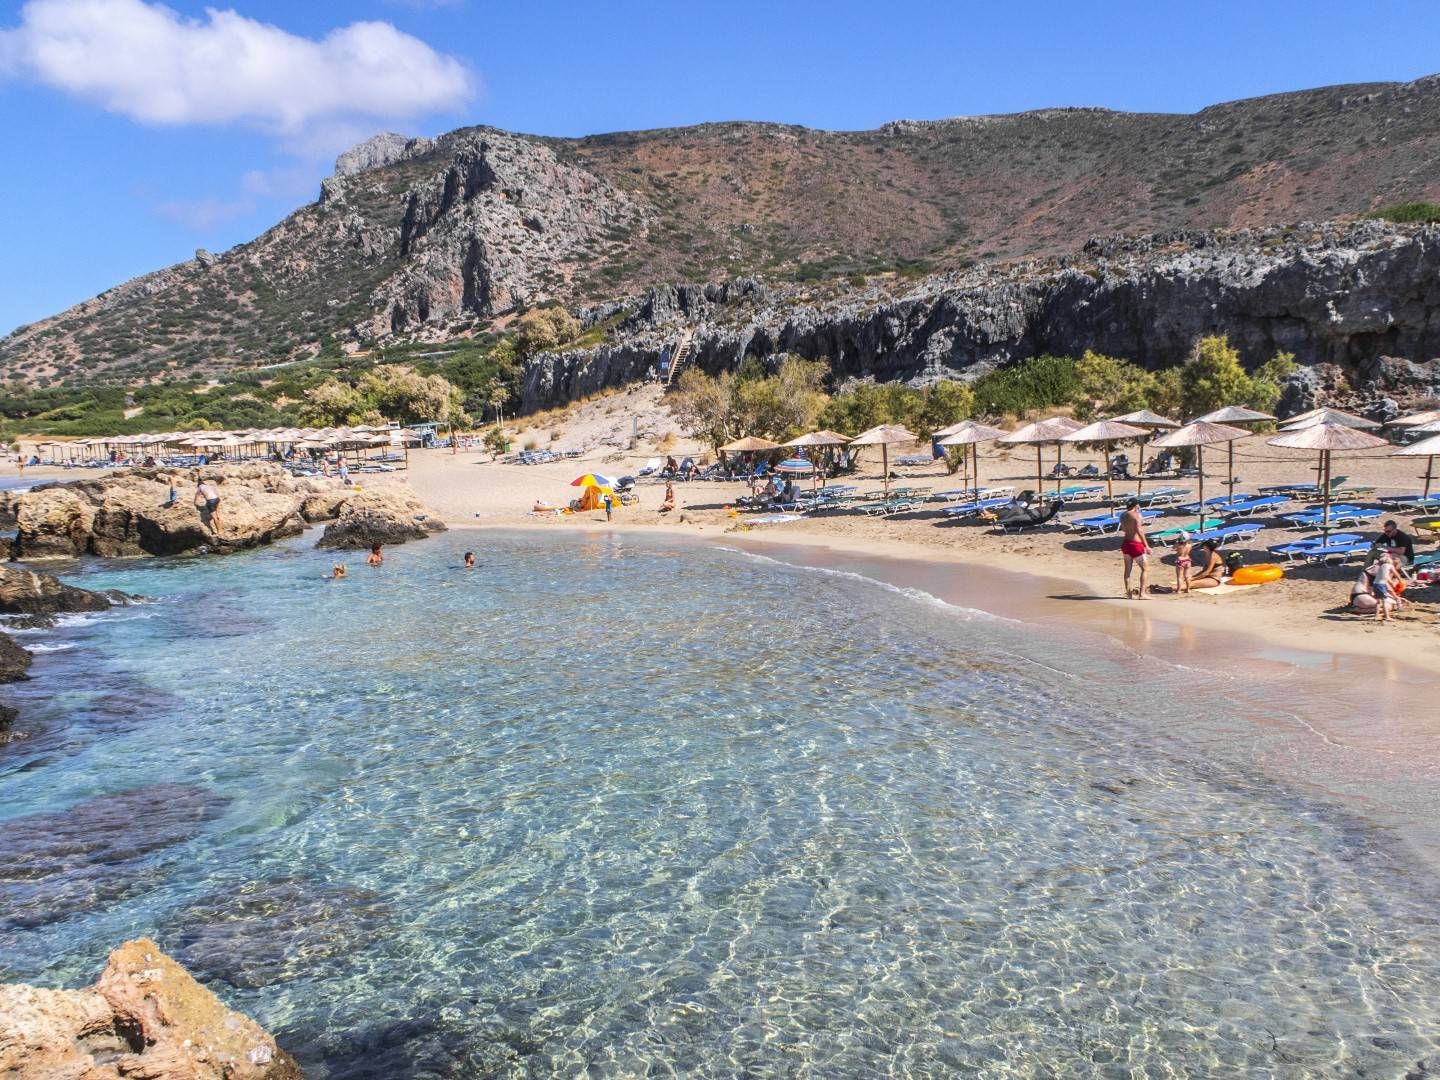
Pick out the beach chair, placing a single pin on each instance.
(1164, 496)
(1073, 492)
(915, 459)
(975, 507)
(1296, 550)
(1327, 553)
(650, 467)
(1416, 501)
(1339, 515)
(1251, 506)
(1214, 503)
(1168, 534)
(956, 495)
(1104, 523)
(1239, 532)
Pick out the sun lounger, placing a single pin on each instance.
(1416, 501)
(1296, 550)
(1175, 530)
(970, 509)
(955, 495)
(886, 509)
(915, 459)
(1236, 532)
(1214, 503)
(1339, 515)
(1103, 523)
(1336, 552)
(1251, 506)
(1158, 497)
(1079, 491)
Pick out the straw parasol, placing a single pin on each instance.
(1152, 422)
(1426, 448)
(1327, 416)
(1038, 434)
(1414, 420)
(819, 438)
(1234, 414)
(885, 436)
(1108, 432)
(971, 433)
(1200, 434)
(1327, 438)
(749, 444)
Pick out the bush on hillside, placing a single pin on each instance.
(1409, 213)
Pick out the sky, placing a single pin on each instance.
(139, 132)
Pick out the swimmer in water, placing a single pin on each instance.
(469, 558)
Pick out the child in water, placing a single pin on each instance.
(1182, 562)
(337, 571)
(469, 558)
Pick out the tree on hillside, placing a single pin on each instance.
(543, 329)
(752, 402)
(704, 405)
(1106, 386)
(1269, 379)
(332, 402)
(1213, 377)
(386, 391)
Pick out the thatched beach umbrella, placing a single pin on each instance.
(1327, 438)
(885, 436)
(1326, 416)
(1041, 433)
(971, 433)
(1200, 434)
(1234, 414)
(1151, 422)
(1415, 420)
(1108, 432)
(821, 439)
(1428, 449)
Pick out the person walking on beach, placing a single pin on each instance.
(207, 501)
(609, 505)
(1134, 548)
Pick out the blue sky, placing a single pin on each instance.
(136, 133)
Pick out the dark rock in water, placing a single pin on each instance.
(8, 716)
(98, 851)
(145, 1018)
(31, 622)
(434, 1045)
(14, 660)
(379, 518)
(270, 931)
(23, 592)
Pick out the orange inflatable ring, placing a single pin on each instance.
(1256, 575)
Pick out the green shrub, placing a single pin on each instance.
(1041, 382)
(1409, 213)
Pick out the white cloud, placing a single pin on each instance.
(151, 64)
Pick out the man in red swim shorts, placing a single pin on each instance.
(1134, 548)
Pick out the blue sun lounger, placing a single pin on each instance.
(1236, 531)
(1250, 506)
(1339, 515)
(1296, 550)
(1416, 501)
(1103, 523)
(1215, 503)
(970, 509)
(1337, 552)
(1078, 491)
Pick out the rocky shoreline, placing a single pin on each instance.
(145, 1017)
(151, 511)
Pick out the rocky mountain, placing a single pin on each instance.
(1357, 304)
(438, 237)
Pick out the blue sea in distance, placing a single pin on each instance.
(620, 806)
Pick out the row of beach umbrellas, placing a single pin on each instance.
(1323, 430)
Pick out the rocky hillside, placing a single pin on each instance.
(1358, 305)
(436, 237)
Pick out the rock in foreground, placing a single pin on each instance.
(24, 592)
(144, 1018)
(132, 513)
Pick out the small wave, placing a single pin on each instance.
(44, 647)
(908, 592)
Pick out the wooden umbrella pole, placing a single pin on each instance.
(1140, 469)
(1109, 477)
(1325, 517)
(1229, 477)
(1200, 465)
(1429, 467)
(885, 467)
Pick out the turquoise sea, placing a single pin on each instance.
(617, 806)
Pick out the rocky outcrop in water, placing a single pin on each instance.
(145, 1018)
(379, 518)
(24, 592)
(15, 661)
(1349, 301)
(131, 512)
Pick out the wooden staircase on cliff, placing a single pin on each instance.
(683, 348)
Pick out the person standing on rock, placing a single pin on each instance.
(207, 501)
(344, 471)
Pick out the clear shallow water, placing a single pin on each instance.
(616, 807)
